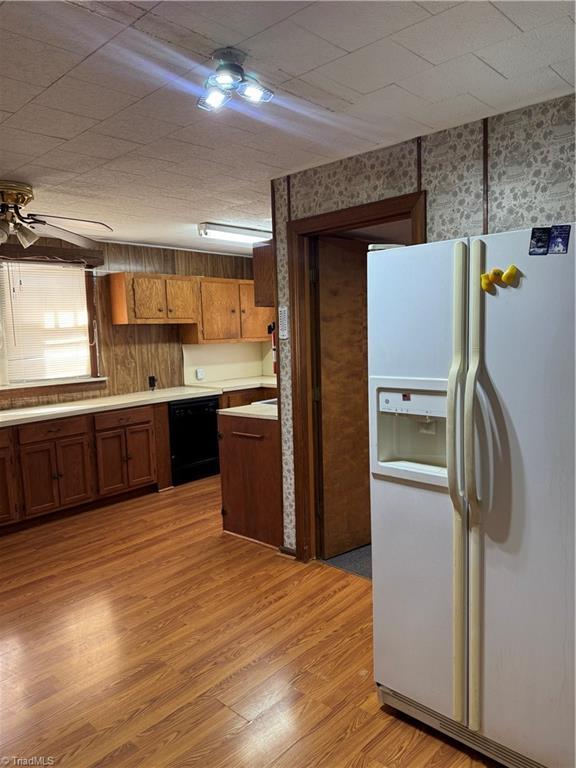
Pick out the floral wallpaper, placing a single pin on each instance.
(531, 166)
(531, 182)
(360, 179)
(452, 178)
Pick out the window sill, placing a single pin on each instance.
(49, 385)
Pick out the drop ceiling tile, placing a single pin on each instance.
(352, 25)
(11, 161)
(528, 15)
(119, 10)
(532, 50)
(95, 145)
(565, 69)
(314, 94)
(4, 116)
(161, 29)
(530, 88)
(227, 22)
(130, 125)
(452, 78)
(25, 143)
(68, 161)
(208, 135)
(49, 122)
(389, 102)
(32, 61)
(201, 159)
(135, 63)
(374, 66)
(436, 6)
(85, 99)
(173, 104)
(457, 110)
(15, 93)
(291, 48)
(461, 29)
(38, 175)
(64, 25)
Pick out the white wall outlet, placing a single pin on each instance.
(200, 374)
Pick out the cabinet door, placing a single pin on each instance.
(75, 470)
(255, 320)
(220, 310)
(111, 461)
(150, 298)
(140, 454)
(264, 266)
(8, 512)
(39, 478)
(183, 299)
(250, 469)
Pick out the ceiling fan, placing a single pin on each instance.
(29, 227)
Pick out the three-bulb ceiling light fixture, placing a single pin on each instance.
(230, 78)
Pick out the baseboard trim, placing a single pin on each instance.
(287, 551)
(455, 730)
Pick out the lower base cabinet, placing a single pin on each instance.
(8, 479)
(125, 454)
(250, 469)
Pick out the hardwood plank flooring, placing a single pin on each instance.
(140, 636)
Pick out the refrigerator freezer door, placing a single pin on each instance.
(525, 461)
(410, 338)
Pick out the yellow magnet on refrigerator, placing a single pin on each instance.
(510, 275)
(486, 283)
(496, 275)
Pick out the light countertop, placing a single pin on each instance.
(254, 411)
(14, 416)
(229, 385)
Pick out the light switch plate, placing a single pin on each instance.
(200, 374)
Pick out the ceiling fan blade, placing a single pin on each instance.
(69, 218)
(49, 230)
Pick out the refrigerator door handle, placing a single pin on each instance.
(477, 262)
(455, 378)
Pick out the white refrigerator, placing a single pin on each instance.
(471, 387)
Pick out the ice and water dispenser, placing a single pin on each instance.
(410, 429)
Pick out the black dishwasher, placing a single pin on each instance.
(194, 439)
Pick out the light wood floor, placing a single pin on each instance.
(140, 636)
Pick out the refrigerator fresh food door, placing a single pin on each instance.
(414, 295)
(520, 482)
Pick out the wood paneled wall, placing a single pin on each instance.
(129, 354)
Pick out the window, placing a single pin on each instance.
(45, 323)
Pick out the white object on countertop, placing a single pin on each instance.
(254, 411)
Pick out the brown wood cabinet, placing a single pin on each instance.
(264, 266)
(8, 481)
(229, 314)
(246, 396)
(57, 465)
(151, 298)
(250, 468)
(125, 449)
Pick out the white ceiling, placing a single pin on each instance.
(97, 99)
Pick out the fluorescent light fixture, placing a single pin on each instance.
(213, 99)
(251, 90)
(232, 234)
(26, 237)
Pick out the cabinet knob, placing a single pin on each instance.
(160, 309)
(233, 311)
(55, 477)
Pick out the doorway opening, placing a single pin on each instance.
(328, 269)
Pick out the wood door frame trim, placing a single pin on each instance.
(299, 232)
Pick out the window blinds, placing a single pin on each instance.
(44, 317)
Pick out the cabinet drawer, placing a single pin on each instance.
(49, 430)
(124, 418)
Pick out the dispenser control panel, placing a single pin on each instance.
(415, 403)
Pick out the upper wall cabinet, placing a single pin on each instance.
(149, 298)
(264, 264)
(229, 314)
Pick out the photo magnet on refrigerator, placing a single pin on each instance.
(559, 237)
(539, 240)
